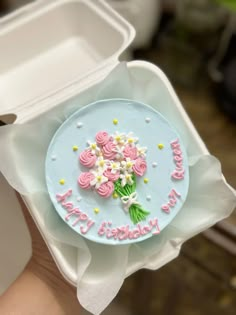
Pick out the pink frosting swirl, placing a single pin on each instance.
(102, 137)
(87, 158)
(109, 150)
(130, 152)
(110, 175)
(106, 189)
(140, 167)
(85, 179)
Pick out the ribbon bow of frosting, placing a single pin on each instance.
(130, 200)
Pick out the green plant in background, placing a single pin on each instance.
(229, 4)
(229, 30)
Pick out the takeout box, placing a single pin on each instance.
(52, 51)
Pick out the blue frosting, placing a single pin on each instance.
(152, 129)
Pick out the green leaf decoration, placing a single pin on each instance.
(136, 212)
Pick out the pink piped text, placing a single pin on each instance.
(80, 216)
(173, 195)
(178, 173)
(126, 233)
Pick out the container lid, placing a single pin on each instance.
(48, 45)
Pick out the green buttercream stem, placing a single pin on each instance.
(137, 213)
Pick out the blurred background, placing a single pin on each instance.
(194, 43)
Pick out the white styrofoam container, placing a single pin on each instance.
(54, 50)
(50, 44)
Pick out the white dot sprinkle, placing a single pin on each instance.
(148, 120)
(154, 164)
(79, 124)
(53, 157)
(148, 198)
(79, 199)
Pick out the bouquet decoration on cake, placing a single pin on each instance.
(114, 162)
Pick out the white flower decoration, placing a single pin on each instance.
(94, 148)
(115, 167)
(141, 150)
(119, 152)
(126, 178)
(127, 165)
(101, 164)
(99, 179)
(130, 139)
(119, 138)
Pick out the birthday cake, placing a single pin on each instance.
(117, 172)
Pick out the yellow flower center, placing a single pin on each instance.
(101, 163)
(130, 140)
(128, 177)
(99, 178)
(118, 138)
(93, 146)
(113, 165)
(129, 164)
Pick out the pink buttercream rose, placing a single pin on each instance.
(130, 152)
(87, 158)
(85, 179)
(110, 175)
(140, 167)
(109, 150)
(102, 137)
(106, 189)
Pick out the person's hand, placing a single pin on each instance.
(41, 262)
(40, 289)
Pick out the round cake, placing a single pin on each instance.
(117, 172)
